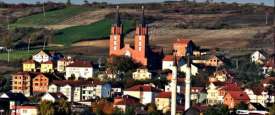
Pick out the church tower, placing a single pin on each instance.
(116, 37)
(141, 37)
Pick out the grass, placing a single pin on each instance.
(98, 30)
(50, 18)
(17, 55)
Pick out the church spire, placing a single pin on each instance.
(142, 20)
(117, 21)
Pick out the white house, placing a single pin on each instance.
(79, 69)
(146, 93)
(194, 69)
(213, 96)
(142, 74)
(41, 56)
(167, 62)
(258, 57)
(24, 110)
(81, 90)
(53, 97)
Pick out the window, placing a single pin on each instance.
(139, 48)
(115, 48)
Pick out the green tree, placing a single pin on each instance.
(272, 110)
(63, 107)
(242, 106)
(122, 64)
(217, 110)
(46, 108)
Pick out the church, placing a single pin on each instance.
(141, 51)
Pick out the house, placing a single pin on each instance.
(214, 61)
(221, 76)
(125, 101)
(259, 94)
(116, 89)
(233, 98)
(53, 97)
(62, 63)
(167, 62)
(213, 96)
(47, 67)
(79, 69)
(24, 110)
(21, 83)
(258, 57)
(180, 85)
(198, 94)
(181, 46)
(194, 69)
(14, 99)
(29, 66)
(78, 90)
(146, 92)
(142, 74)
(163, 101)
(41, 56)
(269, 65)
(40, 84)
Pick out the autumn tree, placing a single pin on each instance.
(46, 108)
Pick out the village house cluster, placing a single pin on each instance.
(50, 76)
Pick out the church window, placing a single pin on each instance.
(139, 48)
(115, 48)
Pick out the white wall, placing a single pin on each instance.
(84, 72)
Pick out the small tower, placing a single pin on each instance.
(141, 37)
(116, 37)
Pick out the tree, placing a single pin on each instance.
(242, 106)
(122, 64)
(63, 107)
(7, 40)
(272, 110)
(217, 110)
(46, 108)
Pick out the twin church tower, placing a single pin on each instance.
(140, 50)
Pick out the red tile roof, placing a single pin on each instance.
(29, 62)
(231, 87)
(47, 62)
(126, 100)
(77, 82)
(164, 95)
(238, 95)
(268, 80)
(145, 87)
(168, 58)
(80, 64)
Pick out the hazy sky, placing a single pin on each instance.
(267, 2)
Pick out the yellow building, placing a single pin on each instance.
(47, 67)
(29, 66)
(163, 101)
(142, 74)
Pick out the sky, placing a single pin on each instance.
(267, 2)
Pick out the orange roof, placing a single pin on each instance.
(48, 62)
(126, 100)
(164, 95)
(231, 87)
(168, 58)
(29, 62)
(147, 88)
(238, 95)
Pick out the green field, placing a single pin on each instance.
(98, 30)
(17, 55)
(51, 17)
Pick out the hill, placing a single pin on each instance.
(50, 18)
(98, 30)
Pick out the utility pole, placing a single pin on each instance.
(8, 22)
(29, 41)
(44, 8)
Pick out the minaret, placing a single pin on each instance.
(174, 86)
(116, 37)
(188, 82)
